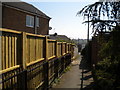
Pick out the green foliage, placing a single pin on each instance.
(57, 80)
(106, 74)
(107, 71)
(106, 49)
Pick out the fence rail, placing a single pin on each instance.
(30, 60)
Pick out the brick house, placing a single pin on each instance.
(22, 16)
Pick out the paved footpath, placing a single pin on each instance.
(74, 78)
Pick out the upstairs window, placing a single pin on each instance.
(37, 22)
(29, 21)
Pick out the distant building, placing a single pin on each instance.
(60, 38)
(22, 16)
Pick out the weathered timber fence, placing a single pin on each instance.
(31, 61)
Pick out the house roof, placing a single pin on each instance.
(26, 7)
(60, 38)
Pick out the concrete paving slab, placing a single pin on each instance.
(73, 79)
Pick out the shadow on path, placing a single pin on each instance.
(87, 78)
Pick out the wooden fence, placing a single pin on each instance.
(31, 61)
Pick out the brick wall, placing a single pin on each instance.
(16, 20)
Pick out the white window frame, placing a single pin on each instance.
(30, 22)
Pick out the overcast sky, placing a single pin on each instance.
(64, 20)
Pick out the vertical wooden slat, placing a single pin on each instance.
(36, 43)
(12, 50)
(40, 48)
(51, 50)
(7, 52)
(28, 45)
(39, 54)
(65, 47)
(10, 47)
(30, 49)
(27, 50)
(48, 49)
(15, 50)
(3, 52)
(56, 49)
(34, 49)
(61, 49)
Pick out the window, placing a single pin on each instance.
(29, 21)
(37, 22)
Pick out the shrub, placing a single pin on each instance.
(106, 73)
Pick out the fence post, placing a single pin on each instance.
(46, 48)
(46, 65)
(56, 62)
(24, 50)
(22, 78)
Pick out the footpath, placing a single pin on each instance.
(77, 78)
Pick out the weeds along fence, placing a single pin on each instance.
(30, 61)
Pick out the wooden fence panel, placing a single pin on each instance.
(69, 48)
(10, 50)
(10, 57)
(59, 49)
(51, 48)
(35, 55)
(35, 46)
(64, 48)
